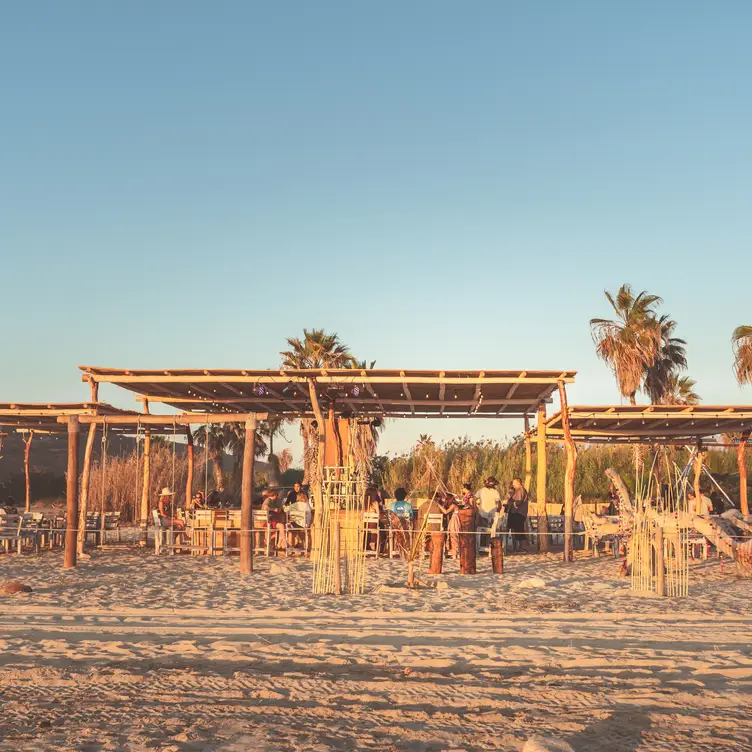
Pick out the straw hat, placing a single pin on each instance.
(166, 492)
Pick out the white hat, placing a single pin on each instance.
(166, 492)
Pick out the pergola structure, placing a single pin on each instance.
(678, 425)
(221, 395)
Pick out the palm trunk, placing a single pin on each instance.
(632, 399)
(219, 480)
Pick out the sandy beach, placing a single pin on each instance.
(132, 651)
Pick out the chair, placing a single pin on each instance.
(93, 527)
(10, 531)
(260, 524)
(369, 519)
(111, 523)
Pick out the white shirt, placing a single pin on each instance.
(488, 498)
(300, 513)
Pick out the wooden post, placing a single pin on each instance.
(85, 479)
(317, 483)
(27, 451)
(189, 475)
(742, 462)
(146, 488)
(540, 483)
(246, 494)
(497, 555)
(467, 540)
(660, 570)
(337, 547)
(94, 386)
(528, 456)
(71, 496)
(569, 476)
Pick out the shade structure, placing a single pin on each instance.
(43, 417)
(389, 393)
(650, 424)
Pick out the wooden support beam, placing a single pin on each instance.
(181, 419)
(71, 495)
(541, 480)
(510, 394)
(246, 494)
(569, 477)
(94, 387)
(27, 451)
(442, 392)
(85, 482)
(742, 464)
(146, 488)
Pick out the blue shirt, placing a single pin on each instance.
(403, 509)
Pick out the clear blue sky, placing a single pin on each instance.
(445, 184)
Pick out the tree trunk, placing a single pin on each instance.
(632, 399)
(146, 488)
(219, 478)
(246, 494)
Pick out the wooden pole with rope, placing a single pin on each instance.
(246, 498)
(541, 480)
(189, 474)
(85, 481)
(569, 477)
(528, 456)
(317, 482)
(742, 464)
(71, 494)
(27, 452)
(146, 487)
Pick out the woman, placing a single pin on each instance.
(452, 506)
(277, 518)
(299, 515)
(375, 505)
(517, 505)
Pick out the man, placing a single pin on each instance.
(518, 508)
(400, 506)
(702, 507)
(489, 500)
(292, 496)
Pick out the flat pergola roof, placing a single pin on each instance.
(650, 424)
(391, 393)
(43, 416)
(52, 418)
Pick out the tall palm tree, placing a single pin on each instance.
(214, 438)
(235, 443)
(680, 390)
(317, 349)
(671, 358)
(629, 344)
(742, 342)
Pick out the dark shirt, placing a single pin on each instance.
(518, 502)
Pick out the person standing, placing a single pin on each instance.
(489, 500)
(518, 508)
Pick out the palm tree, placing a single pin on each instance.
(680, 390)
(631, 343)
(671, 357)
(317, 349)
(214, 438)
(235, 443)
(742, 342)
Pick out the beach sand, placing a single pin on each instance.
(131, 651)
